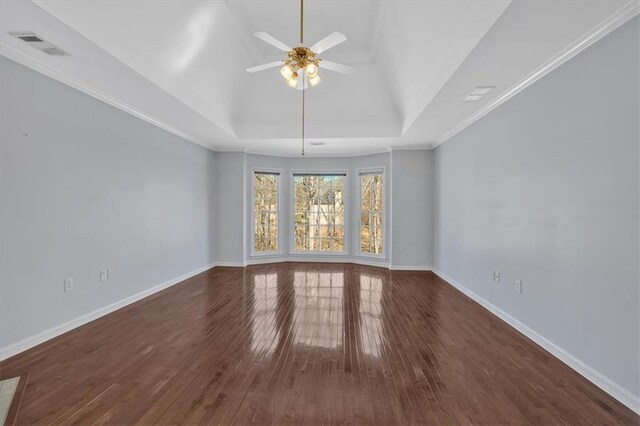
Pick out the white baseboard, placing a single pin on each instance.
(42, 337)
(329, 259)
(231, 264)
(409, 268)
(308, 259)
(603, 382)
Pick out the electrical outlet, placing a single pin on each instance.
(498, 277)
(109, 273)
(398, 247)
(519, 286)
(103, 275)
(68, 285)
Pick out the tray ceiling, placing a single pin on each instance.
(181, 65)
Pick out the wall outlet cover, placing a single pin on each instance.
(519, 286)
(68, 285)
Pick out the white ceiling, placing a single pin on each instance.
(180, 64)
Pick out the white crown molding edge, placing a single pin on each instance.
(54, 73)
(620, 17)
(312, 155)
(603, 382)
(49, 334)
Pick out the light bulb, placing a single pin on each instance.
(315, 80)
(312, 70)
(286, 71)
(293, 80)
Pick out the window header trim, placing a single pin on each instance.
(320, 174)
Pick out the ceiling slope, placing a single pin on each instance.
(180, 65)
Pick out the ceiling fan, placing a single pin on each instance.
(301, 67)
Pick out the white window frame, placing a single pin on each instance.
(371, 170)
(255, 170)
(292, 213)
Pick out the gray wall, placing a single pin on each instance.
(230, 209)
(86, 187)
(409, 186)
(545, 189)
(413, 210)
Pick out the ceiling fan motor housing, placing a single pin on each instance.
(302, 56)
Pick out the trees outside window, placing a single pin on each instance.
(319, 212)
(371, 213)
(266, 212)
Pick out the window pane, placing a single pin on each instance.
(265, 209)
(371, 213)
(319, 213)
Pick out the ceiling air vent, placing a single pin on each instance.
(477, 93)
(39, 43)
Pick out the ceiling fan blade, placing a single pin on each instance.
(328, 42)
(342, 69)
(272, 41)
(264, 66)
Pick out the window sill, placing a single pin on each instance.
(371, 256)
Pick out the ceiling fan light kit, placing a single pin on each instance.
(301, 60)
(302, 65)
(301, 68)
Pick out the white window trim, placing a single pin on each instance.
(255, 253)
(292, 221)
(359, 172)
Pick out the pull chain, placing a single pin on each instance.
(303, 75)
(303, 90)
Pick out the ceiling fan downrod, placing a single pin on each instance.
(301, 22)
(302, 43)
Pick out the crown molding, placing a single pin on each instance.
(620, 17)
(311, 155)
(58, 75)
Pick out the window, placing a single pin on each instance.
(371, 212)
(265, 211)
(319, 212)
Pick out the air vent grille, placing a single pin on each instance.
(39, 43)
(30, 38)
(478, 93)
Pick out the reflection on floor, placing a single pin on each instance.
(304, 344)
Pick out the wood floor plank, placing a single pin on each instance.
(300, 343)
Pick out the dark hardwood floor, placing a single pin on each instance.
(304, 344)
